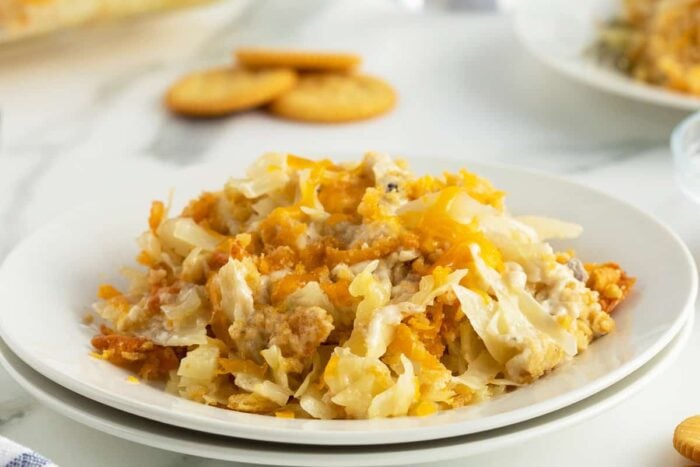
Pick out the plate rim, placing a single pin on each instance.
(450, 448)
(340, 437)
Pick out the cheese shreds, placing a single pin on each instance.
(315, 289)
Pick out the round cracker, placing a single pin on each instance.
(332, 98)
(297, 59)
(221, 91)
(686, 438)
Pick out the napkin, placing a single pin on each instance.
(15, 455)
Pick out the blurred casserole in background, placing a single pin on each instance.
(657, 42)
(24, 18)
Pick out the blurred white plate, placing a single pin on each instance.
(558, 32)
(170, 438)
(49, 281)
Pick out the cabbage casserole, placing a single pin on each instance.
(655, 41)
(312, 289)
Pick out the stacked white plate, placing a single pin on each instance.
(48, 282)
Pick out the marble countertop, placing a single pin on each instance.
(81, 112)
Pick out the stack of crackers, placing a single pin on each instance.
(299, 85)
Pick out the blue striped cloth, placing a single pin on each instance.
(15, 455)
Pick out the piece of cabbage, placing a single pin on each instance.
(519, 303)
(380, 329)
(353, 381)
(150, 245)
(429, 290)
(199, 364)
(196, 377)
(193, 266)
(137, 279)
(546, 323)
(312, 402)
(396, 400)
(264, 388)
(375, 292)
(237, 281)
(279, 365)
(308, 197)
(236, 294)
(182, 234)
(548, 228)
(516, 331)
(481, 311)
(480, 372)
(182, 320)
(383, 167)
(316, 369)
(268, 174)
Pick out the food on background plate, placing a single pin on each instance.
(268, 78)
(221, 91)
(25, 18)
(313, 289)
(301, 60)
(335, 98)
(656, 41)
(686, 438)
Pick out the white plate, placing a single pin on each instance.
(190, 442)
(48, 281)
(559, 32)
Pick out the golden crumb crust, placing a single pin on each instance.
(611, 282)
(148, 360)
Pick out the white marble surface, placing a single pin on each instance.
(81, 115)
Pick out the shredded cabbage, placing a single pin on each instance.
(181, 235)
(268, 174)
(396, 400)
(481, 371)
(264, 388)
(236, 295)
(279, 365)
(353, 381)
(313, 404)
(375, 293)
(548, 228)
(481, 312)
(326, 290)
(200, 364)
(545, 322)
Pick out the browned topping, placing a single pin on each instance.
(148, 360)
(611, 282)
(302, 331)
